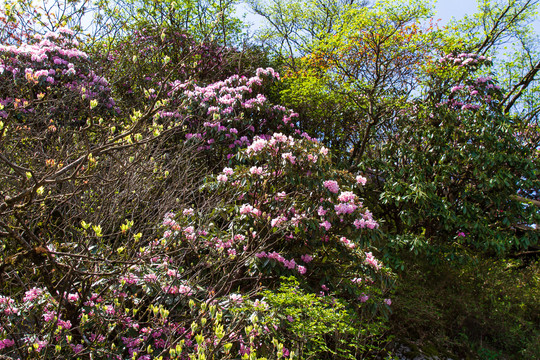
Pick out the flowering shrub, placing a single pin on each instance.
(158, 54)
(51, 78)
(103, 281)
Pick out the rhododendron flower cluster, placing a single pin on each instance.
(288, 264)
(332, 186)
(54, 68)
(471, 94)
(370, 260)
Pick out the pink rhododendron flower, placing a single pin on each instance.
(289, 156)
(372, 224)
(345, 208)
(187, 212)
(256, 146)
(185, 290)
(347, 196)
(370, 260)
(222, 178)
(388, 302)
(48, 316)
(278, 221)
(77, 348)
(312, 158)
(332, 186)
(280, 196)
(64, 324)
(347, 242)
(325, 224)
(150, 278)
(32, 294)
(361, 180)
(6, 343)
(236, 298)
(256, 170)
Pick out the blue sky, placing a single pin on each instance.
(446, 9)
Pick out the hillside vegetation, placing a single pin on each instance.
(351, 182)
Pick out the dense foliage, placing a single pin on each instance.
(165, 193)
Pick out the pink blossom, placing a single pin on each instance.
(325, 224)
(278, 221)
(345, 208)
(372, 224)
(363, 298)
(222, 178)
(40, 344)
(64, 324)
(150, 278)
(228, 171)
(280, 196)
(73, 297)
(332, 186)
(246, 209)
(361, 180)
(388, 302)
(306, 258)
(370, 260)
(172, 272)
(6, 343)
(301, 269)
(64, 30)
(289, 156)
(256, 170)
(212, 110)
(289, 264)
(187, 212)
(346, 196)
(236, 298)
(312, 158)
(32, 294)
(347, 242)
(256, 146)
(48, 316)
(77, 348)
(185, 290)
